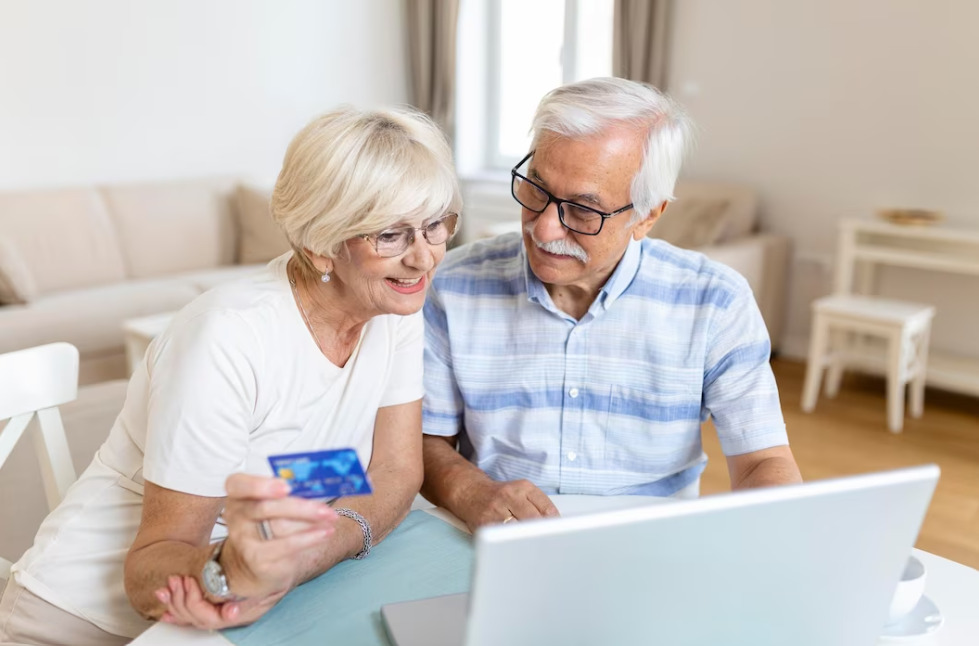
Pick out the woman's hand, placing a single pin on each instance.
(258, 566)
(260, 571)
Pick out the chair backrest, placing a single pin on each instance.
(34, 382)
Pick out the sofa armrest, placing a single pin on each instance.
(763, 259)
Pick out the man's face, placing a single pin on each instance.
(595, 172)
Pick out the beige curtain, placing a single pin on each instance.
(641, 40)
(432, 58)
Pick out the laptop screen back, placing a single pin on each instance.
(812, 564)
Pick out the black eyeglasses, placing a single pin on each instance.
(577, 217)
(395, 241)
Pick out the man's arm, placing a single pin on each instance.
(764, 468)
(455, 484)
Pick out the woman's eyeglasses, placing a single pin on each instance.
(395, 241)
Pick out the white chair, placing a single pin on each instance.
(841, 325)
(34, 382)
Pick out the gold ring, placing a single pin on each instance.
(509, 518)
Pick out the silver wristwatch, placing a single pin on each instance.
(213, 577)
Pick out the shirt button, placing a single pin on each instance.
(572, 456)
(573, 392)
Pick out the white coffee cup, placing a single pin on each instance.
(908, 591)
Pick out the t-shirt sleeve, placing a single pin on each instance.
(202, 393)
(442, 406)
(739, 387)
(405, 381)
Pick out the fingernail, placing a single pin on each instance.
(173, 581)
(233, 611)
(283, 487)
(325, 512)
(163, 596)
(166, 618)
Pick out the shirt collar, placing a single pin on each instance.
(616, 284)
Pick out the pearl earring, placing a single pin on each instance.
(326, 276)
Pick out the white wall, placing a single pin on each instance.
(833, 109)
(116, 90)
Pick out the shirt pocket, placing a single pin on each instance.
(650, 432)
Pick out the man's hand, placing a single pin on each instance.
(455, 484)
(486, 502)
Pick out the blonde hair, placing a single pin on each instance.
(351, 172)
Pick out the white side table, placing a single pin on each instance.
(139, 332)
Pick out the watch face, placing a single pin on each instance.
(214, 580)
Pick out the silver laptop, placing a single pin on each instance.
(811, 564)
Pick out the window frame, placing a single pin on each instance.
(494, 159)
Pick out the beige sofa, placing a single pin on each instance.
(720, 220)
(77, 262)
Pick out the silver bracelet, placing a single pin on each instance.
(364, 527)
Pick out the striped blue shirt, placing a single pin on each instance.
(609, 404)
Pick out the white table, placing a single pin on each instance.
(139, 332)
(866, 244)
(953, 587)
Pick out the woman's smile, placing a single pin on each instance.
(407, 285)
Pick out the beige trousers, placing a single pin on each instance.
(27, 619)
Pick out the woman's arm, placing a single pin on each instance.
(173, 539)
(395, 472)
(172, 545)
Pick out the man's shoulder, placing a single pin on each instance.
(482, 262)
(685, 270)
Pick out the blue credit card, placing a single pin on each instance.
(322, 474)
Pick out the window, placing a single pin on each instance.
(528, 48)
(537, 46)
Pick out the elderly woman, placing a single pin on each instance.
(321, 350)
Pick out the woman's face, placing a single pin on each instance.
(373, 284)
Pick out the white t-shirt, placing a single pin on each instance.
(236, 377)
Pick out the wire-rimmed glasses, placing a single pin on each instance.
(396, 240)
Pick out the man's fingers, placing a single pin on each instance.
(543, 503)
(522, 508)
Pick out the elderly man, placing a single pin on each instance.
(583, 358)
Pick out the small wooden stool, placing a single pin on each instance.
(835, 344)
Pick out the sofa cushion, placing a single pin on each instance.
(205, 280)
(63, 239)
(16, 282)
(259, 238)
(90, 319)
(742, 204)
(170, 227)
(692, 222)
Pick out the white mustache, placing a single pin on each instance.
(558, 247)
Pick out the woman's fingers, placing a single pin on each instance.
(292, 508)
(243, 485)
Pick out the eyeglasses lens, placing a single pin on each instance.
(394, 242)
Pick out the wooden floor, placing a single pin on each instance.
(848, 435)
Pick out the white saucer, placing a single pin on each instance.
(924, 619)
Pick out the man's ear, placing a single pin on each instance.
(641, 228)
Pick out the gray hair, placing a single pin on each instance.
(586, 108)
(351, 172)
